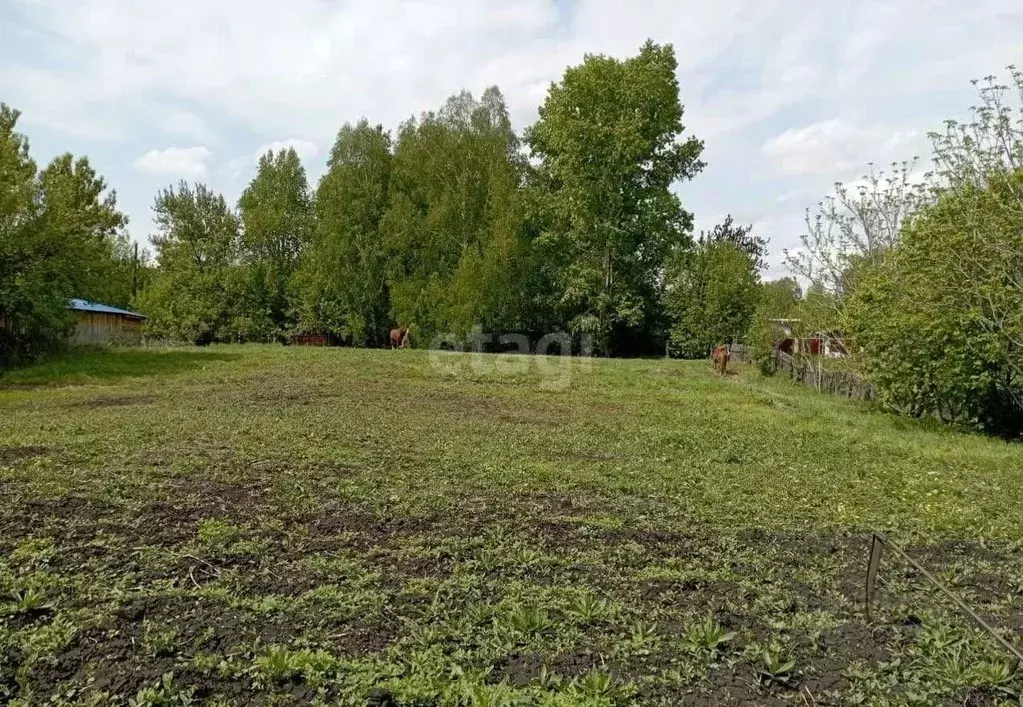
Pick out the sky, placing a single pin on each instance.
(789, 96)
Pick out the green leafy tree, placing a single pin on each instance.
(743, 237)
(198, 290)
(781, 297)
(59, 233)
(776, 299)
(711, 295)
(135, 270)
(277, 215)
(344, 279)
(608, 149)
(925, 319)
(80, 214)
(33, 316)
(453, 228)
(940, 319)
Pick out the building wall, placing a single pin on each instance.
(101, 328)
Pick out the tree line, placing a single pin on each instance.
(451, 224)
(454, 223)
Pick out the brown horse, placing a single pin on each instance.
(400, 338)
(720, 356)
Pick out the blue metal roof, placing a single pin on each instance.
(82, 305)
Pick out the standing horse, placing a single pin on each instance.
(720, 356)
(400, 338)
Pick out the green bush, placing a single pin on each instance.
(940, 320)
(777, 299)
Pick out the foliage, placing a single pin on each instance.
(276, 212)
(453, 226)
(777, 299)
(711, 296)
(130, 271)
(608, 149)
(198, 290)
(848, 234)
(33, 315)
(775, 669)
(344, 278)
(82, 214)
(853, 228)
(781, 297)
(941, 319)
(922, 319)
(707, 636)
(29, 600)
(742, 237)
(61, 237)
(165, 693)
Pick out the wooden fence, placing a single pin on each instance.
(811, 373)
(739, 353)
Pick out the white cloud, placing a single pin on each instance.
(183, 123)
(835, 146)
(307, 65)
(187, 162)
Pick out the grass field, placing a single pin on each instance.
(268, 525)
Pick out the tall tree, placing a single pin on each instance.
(276, 212)
(939, 318)
(454, 225)
(851, 231)
(32, 315)
(979, 167)
(780, 298)
(81, 213)
(198, 289)
(777, 299)
(711, 296)
(344, 279)
(742, 236)
(59, 231)
(608, 146)
(923, 318)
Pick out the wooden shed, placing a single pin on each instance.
(102, 324)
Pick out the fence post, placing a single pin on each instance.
(876, 548)
(879, 540)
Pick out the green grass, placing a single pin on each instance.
(95, 365)
(311, 525)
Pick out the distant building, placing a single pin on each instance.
(102, 324)
(825, 343)
(783, 328)
(830, 344)
(783, 335)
